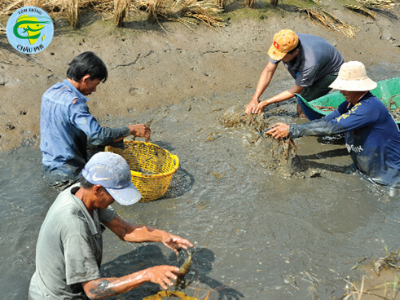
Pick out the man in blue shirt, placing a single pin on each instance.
(66, 123)
(310, 60)
(371, 134)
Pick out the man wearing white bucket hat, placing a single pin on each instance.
(371, 134)
(69, 246)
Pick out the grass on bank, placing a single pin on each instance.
(211, 12)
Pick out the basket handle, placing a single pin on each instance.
(176, 160)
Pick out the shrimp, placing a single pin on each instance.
(183, 270)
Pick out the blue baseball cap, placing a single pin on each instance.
(111, 171)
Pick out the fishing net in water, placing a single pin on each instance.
(276, 155)
(281, 156)
(235, 117)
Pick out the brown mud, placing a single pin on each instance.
(149, 66)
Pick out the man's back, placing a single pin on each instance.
(63, 145)
(316, 59)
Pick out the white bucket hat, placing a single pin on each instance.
(353, 77)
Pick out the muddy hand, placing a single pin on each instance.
(279, 131)
(140, 130)
(260, 107)
(251, 107)
(162, 275)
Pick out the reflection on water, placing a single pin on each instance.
(267, 236)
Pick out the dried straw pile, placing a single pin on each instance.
(367, 7)
(204, 11)
(377, 4)
(326, 19)
(361, 10)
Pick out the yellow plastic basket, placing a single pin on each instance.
(152, 167)
(164, 294)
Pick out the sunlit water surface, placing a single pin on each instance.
(267, 234)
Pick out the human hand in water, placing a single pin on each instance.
(251, 107)
(279, 130)
(175, 242)
(261, 106)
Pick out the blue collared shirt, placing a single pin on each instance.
(371, 134)
(65, 127)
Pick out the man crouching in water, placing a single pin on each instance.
(69, 246)
(371, 134)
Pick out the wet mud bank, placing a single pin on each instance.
(149, 67)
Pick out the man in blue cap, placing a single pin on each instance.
(69, 246)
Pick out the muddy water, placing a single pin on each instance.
(269, 232)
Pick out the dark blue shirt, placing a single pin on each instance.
(371, 134)
(65, 127)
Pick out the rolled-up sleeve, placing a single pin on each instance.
(82, 119)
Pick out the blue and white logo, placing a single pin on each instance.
(30, 29)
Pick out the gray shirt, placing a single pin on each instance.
(69, 249)
(316, 59)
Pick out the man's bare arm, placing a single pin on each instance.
(103, 288)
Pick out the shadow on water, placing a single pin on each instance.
(330, 167)
(303, 163)
(203, 263)
(143, 257)
(147, 256)
(327, 154)
(181, 183)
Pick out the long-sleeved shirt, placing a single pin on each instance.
(372, 137)
(65, 126)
